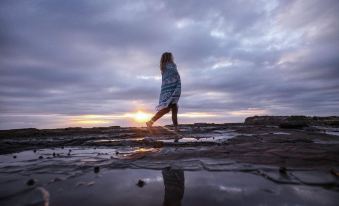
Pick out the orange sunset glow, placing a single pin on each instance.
(138, 117)
(94, 120)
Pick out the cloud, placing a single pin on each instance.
(68, 58)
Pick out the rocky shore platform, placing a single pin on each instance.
(265, 160)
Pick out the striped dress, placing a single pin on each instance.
(170, 87)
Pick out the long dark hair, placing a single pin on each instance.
(166, 57)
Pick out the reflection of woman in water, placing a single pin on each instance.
(170, 90)
(174, 181)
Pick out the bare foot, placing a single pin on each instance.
(176, 129)
(149, 126)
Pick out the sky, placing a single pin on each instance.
(69, 63)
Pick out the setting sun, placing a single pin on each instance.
(141, 116)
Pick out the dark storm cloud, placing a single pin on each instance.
(101, 57)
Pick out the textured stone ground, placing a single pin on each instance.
(243, 164)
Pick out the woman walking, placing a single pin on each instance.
(170, 90)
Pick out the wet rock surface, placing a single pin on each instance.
(257, 144)
(66, 164)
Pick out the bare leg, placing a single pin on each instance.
(156, 117)
(159, 114)
(175, 116)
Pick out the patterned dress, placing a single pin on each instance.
(170, 87)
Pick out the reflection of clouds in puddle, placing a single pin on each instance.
(230, 189)
(328, 130)
(283, 133)
(335, 133)
(327, 139)
(216, 137)
(70, 154)
(201, 187)
(117, 140)
(153, 179)
(88, 160)
(223, 184)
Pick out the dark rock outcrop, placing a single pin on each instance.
(265, 120)
(293, 121)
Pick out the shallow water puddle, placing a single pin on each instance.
(68, 155)
(213, 137)
(118, 176)
(333, 132)
(218, 136)
(169, 186)
(282, 133)
(329, 130)
(117, 140)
